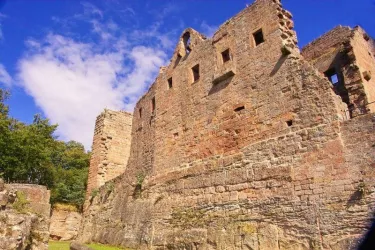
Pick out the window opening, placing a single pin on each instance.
(289, 123)
(225, 55)
(332, 76)
(170, 83)
(239, 109)
(153, 105)
(196, 74)
(258, 37)
(187, 42)
(140, 112)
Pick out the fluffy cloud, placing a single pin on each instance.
(72, 82)
(5, 78)
(73, 77)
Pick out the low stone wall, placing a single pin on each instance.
(65, 223)
(24, 216)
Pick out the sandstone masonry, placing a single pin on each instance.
(243, 142)
(111, 148)
(24, 216)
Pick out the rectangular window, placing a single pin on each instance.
(195, 71)
(170, 83)
(153, 105)
(140, 112)
(258, 37)
(332, 76)
(225, 55)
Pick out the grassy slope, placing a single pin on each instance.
(64, 245)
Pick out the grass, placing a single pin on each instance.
(58, 245)
(64, 245)
(105, 247)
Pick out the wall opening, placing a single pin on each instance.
(258, 37)
(196, 74)
(153, 105)
(225, 55)
(238, 109)
(332, 76)
(187, 42)
(170, 83)
(289, 123)
(140, 112)
(337, 80)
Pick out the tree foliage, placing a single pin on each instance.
(30, 153)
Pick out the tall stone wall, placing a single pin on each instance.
(255, 153)
(110, 149)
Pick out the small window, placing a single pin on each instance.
(170, 83)
(258, 37)
(332, 76)
(225, 55)
(187, 41)
(153, 105)
(289, 123)
(140, 112)
(195, 71)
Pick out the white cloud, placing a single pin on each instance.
(73, 77)
(208, 30)
(5, 78)
(72, 82)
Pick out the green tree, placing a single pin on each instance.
(71, 162)
(31, 153)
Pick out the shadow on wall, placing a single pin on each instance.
(220, 86)
(368, 242)
(278, 65)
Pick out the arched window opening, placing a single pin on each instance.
(187, 42)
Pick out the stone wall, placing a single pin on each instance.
(65, 223)
(110, 149)
(24, 216)
(347, 52)
(255, 153)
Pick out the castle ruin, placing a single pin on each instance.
(242, 142)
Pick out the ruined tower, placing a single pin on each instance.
(346, 57)
(110, 148)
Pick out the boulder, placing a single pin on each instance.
(78, 246)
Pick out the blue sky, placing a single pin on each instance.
(70, 59)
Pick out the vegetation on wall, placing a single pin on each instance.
(31, 153)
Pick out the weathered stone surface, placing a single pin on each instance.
(24, 217)
(64, 224)
(264, 159)
(111, 148)
(345, 52)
